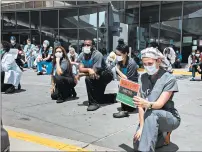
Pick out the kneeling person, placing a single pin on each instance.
(63, 80)
(98, 75)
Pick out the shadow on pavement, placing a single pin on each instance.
(19, 91)
(171, 147)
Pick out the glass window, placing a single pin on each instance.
(29, 4)
(68, 18)
(48, 4)
(59, 3)
(4, 7)
(117, 5)
(11, 6)
(70, 3)
(35, 20)
(88, 17)
(171, 11)
(102, 39)
(49, 34)
(133, 36)
(131, 4)
(192, 9)
(20, 5)
(132, 15)
(9, 21)
(38, 4)
(149, 14)
(49, 19)
(102, 16)
(22, 20)
(85, 2)
(68, 37)
(35, 37)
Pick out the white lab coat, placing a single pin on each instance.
(12, 71)
(171, 56)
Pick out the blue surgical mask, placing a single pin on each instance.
(151, 70)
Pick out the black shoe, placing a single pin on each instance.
(39, 73)
(19, 86)
(121, 114)
(93, 107)
(60, 100)
(10, 90)
(74, 94)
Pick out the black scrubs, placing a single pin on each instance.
(130, 71)
(64, 83)
(96, 87)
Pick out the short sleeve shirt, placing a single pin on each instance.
(64, 66)
(96, 60)
(130, 70)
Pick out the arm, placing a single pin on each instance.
(82, 69)
(123, 76)
(47, 58)
(58, 67)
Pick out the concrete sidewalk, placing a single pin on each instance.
(33, 109)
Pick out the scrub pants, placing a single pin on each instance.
(156, 122)
(30, 62)
(64, 87)
(96, 87)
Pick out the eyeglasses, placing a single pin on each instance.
(87, 45)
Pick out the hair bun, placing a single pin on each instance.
(121, 42)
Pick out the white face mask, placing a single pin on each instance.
(29, 43)
(45, 45)
(58, 54)
(193, 53)
(197, 55)
(12, 42)
(119, 58)
(151, 70)
(87, 50)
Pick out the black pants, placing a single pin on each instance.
(64, 87)
(96, 87)
(177, 64)
(4, 86)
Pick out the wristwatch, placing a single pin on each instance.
(150, 106)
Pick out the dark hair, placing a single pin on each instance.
(6, 46)
(122, 47)
(64, 57)
(154, 44)
(93, 42)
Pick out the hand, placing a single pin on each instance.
(52, 89)
(58, 60)
(138, 134)
(140, 102)
(92, 73)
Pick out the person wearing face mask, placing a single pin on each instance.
(63, 80)
(126, 68)
(178, 59)
(15, 45)
(73, 56)
(45, 58)
(10, 71)
(169, 53)
(157, 114)
(28, 50)
(195, 63)
(98, 75)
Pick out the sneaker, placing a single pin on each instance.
(60, 100)
(93, 107)
(121, 114)
(167, 139)
(10, 90)
(39, 73)
(192, 79)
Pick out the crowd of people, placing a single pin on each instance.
(157, 114)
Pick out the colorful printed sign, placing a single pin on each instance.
(127, 90)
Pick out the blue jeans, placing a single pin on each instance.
(30, 62)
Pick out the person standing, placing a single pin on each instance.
(98, 75)
(29, 53)
(10, 71)
(157, 114)
(63, 80)
(126, 68)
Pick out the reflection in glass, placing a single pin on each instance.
(132, 15)
(35, 37)
(48, 4)
(46, 22)
(38, 4)
(68, 37)
(20, 5)
(58, 3)
(29, 4)
(22, 20)
(68, 18)
(102, 16)
(192, 9)
(49, 34)
(9, 21)
(35, 20)
(102, 38)
(88, 17)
